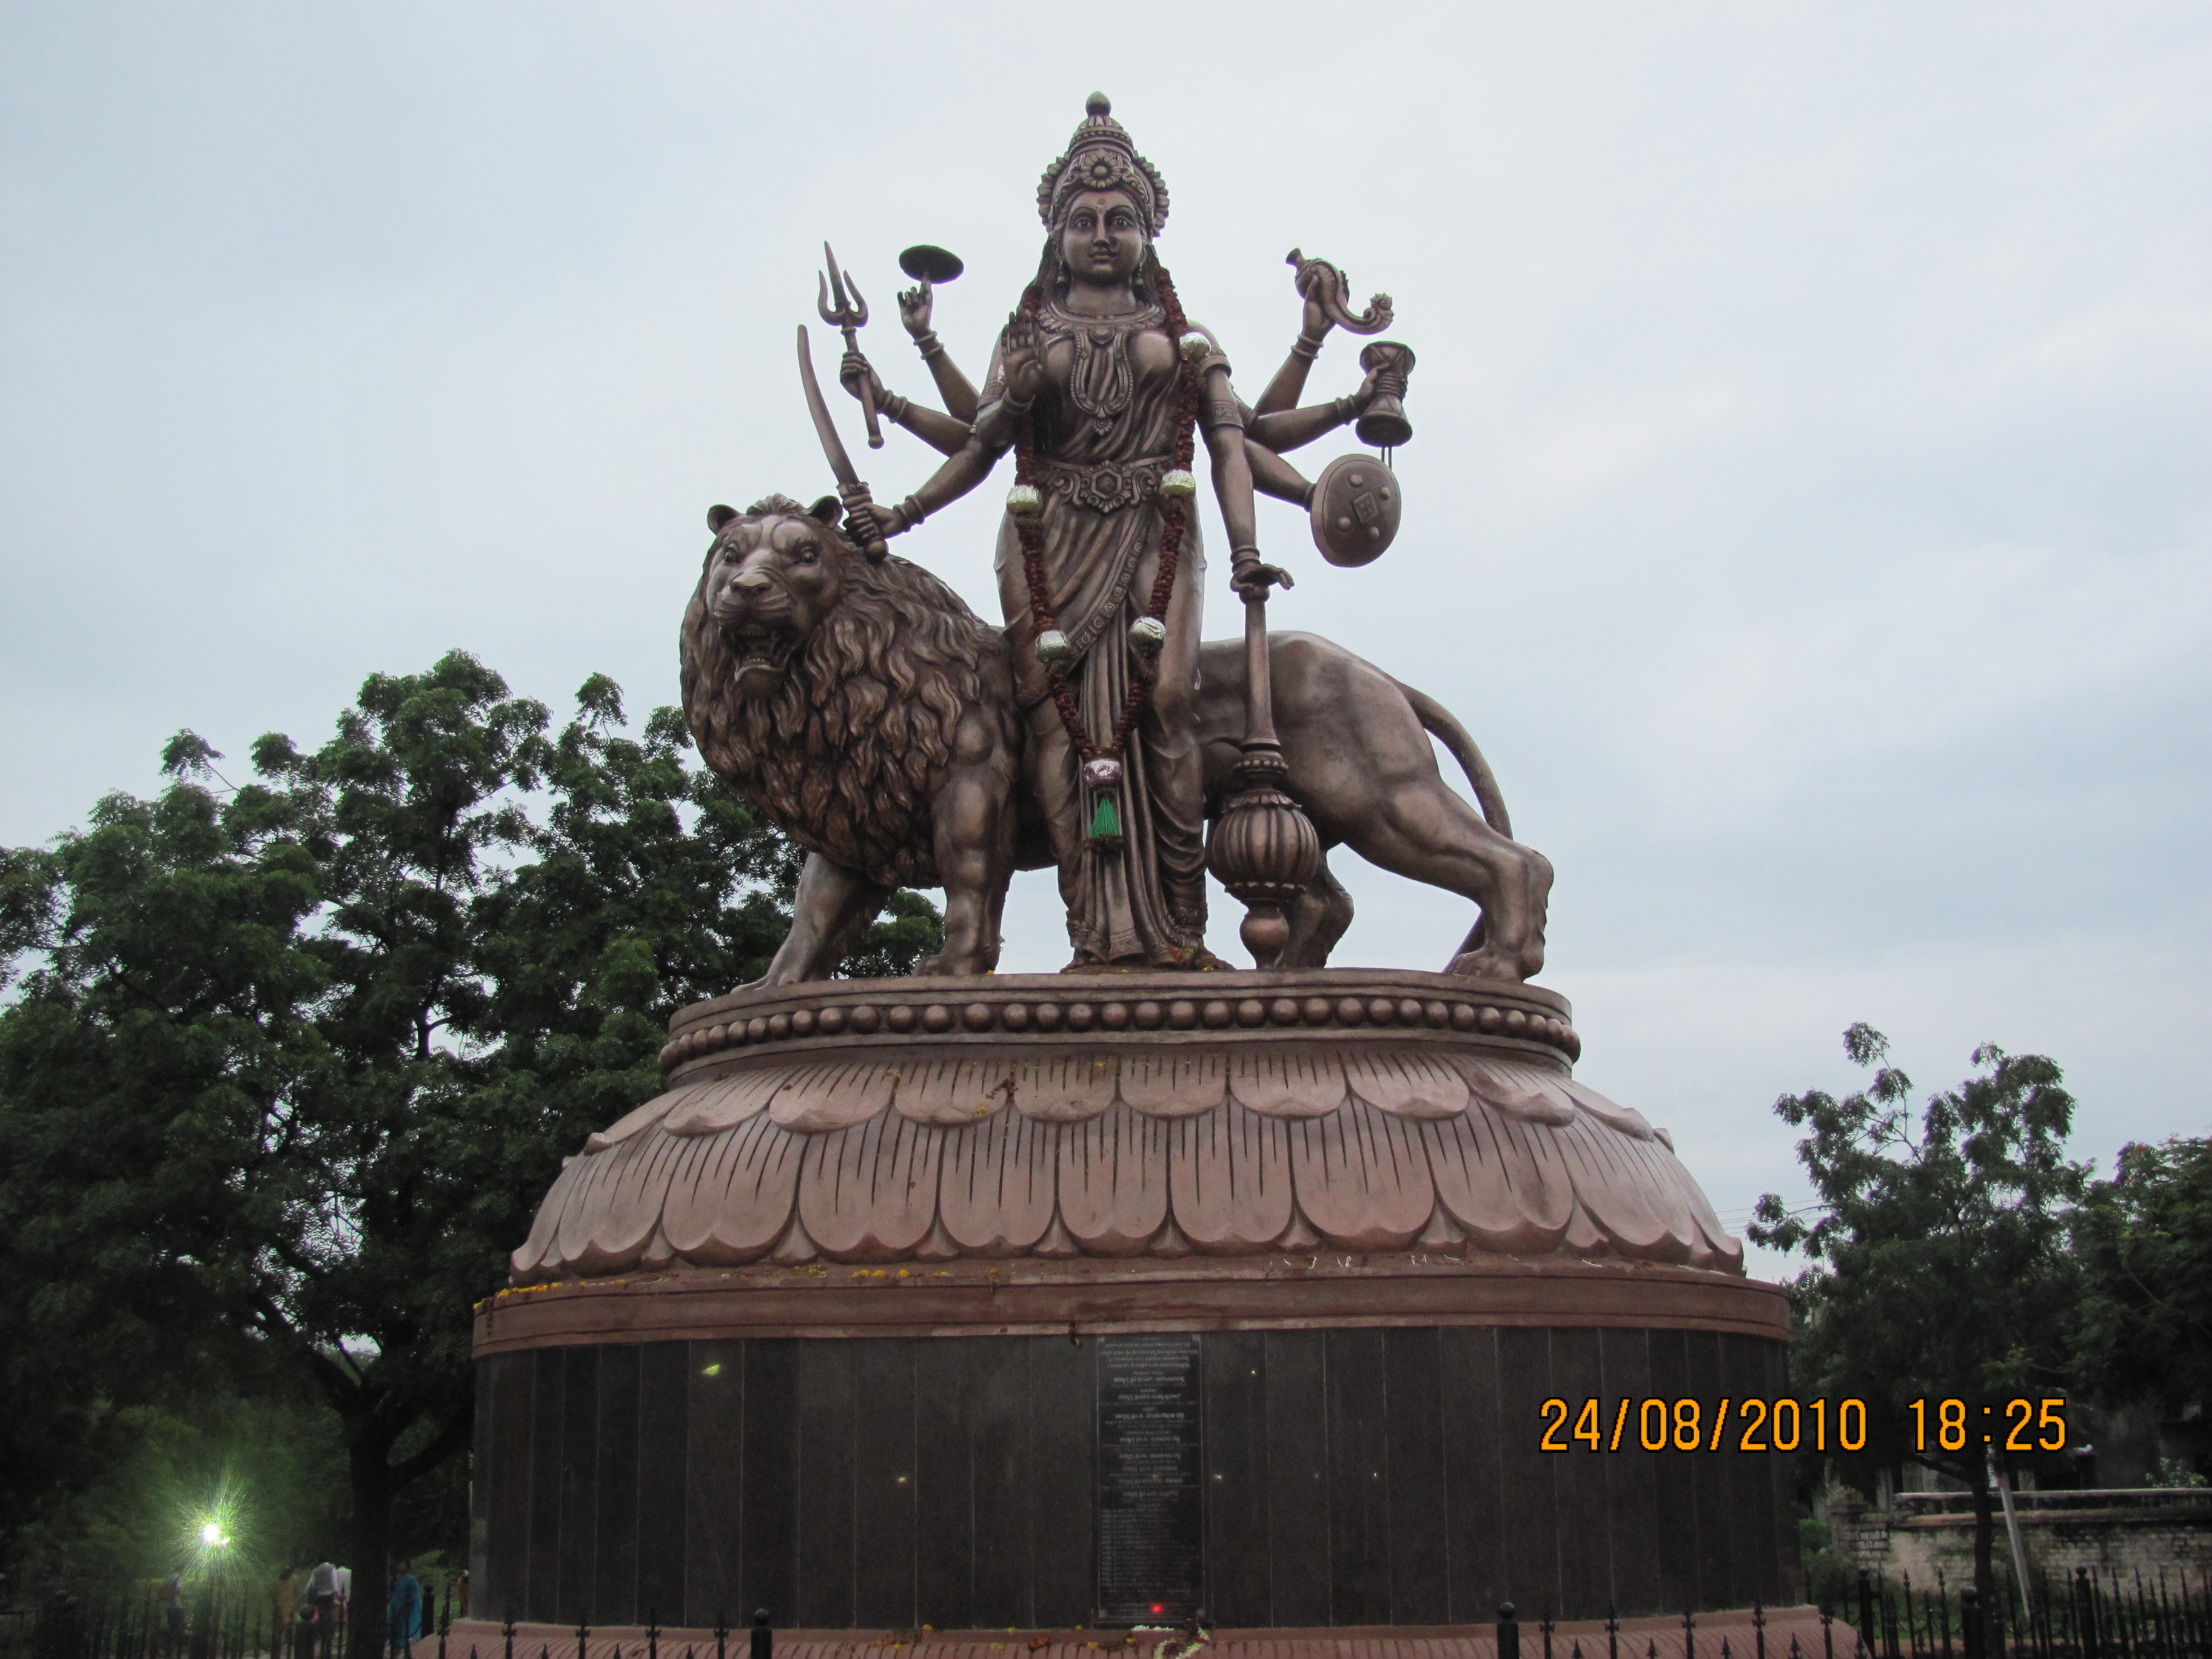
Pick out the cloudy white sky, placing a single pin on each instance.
(1809, 501)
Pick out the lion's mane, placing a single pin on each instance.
(847, 756)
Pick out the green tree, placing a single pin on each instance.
(2144, 1243)
(1939, 1263)
(292, 1062)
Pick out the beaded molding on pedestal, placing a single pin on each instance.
(1060, 1009)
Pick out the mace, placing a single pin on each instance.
(1264, 849)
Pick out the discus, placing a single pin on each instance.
(926, 264)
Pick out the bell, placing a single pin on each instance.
(1383, 423)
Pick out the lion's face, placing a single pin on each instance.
(769, 583)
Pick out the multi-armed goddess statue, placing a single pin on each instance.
(1102, 388)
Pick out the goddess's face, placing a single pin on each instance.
(1102, 239)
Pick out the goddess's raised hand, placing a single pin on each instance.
(1019, 361)
(915, 305)
(1315, 323)
(852, 370)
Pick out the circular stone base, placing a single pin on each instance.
(1071, 1117)
(672, 1449)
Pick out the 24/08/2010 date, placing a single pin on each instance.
(1785, 1425)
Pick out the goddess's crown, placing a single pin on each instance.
(1101, 157)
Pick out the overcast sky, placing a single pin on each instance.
(1809, 506)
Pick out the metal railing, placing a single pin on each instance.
(2085, 1617)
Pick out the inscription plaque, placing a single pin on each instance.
(1150, 1519)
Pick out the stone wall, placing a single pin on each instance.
(2137, 1529)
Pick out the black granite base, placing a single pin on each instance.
(1276, 1477)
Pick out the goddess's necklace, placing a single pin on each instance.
(1104, 403)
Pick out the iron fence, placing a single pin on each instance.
(2088, 1616)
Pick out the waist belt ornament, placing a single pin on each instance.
(1106, 486)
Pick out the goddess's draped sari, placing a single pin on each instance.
(1104, 426)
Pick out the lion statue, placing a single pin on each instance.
(863, 708)
(869, 714)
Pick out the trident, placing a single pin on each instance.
(848, 316)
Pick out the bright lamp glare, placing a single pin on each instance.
(211, 1535)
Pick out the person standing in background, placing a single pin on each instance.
(403, 1613)
(322, 1603)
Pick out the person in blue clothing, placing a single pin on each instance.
(404, 1612)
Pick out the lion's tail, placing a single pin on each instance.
(1440, 722)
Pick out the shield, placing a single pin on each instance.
(1356, 508)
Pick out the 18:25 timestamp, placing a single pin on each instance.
(2026, 1424)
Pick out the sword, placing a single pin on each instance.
(848, 482)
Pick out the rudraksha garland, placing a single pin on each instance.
(1173, 513)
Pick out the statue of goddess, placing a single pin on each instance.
(1101, 386)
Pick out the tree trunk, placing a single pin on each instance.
(368, 1454)
(1984, 1537)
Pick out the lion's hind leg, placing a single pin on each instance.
(1424, 832)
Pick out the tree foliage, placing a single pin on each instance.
(286, 1067)
(1938, 1249)
(2144, 1243)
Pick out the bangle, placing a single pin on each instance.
(1308, 346)
(1342, 409)
(910, 512)
(895, 406)
(928, 342)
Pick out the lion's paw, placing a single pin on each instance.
(1486, 964)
